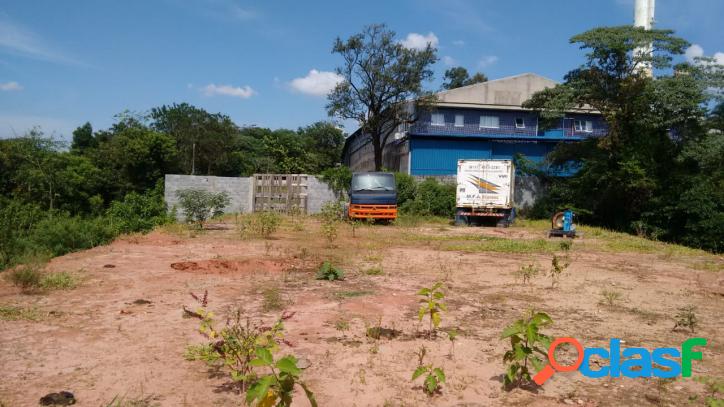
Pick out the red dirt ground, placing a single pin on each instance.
(99, 341)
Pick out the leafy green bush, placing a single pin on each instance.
(432, 198)
(262, 224)
(332, 214)
(26, 277)
(328, 272)
(138, 212)
(339, 179)
(199, 205)
(61, 234)
(406, 187)
(16, 221)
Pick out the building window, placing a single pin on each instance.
(438, 119)
(583, 125)
(459, 120)
(489, 122)
(519, 123)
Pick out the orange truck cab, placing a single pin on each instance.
(373, 195)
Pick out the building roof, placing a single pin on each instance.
(504, 93)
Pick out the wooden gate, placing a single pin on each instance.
(282, 193)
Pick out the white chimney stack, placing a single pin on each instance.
(644, 17)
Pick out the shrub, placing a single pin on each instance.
(199, 205)
(527, 344)
(16, 222)
(26, 277)
(609, 297)
(61, 280)
(138, 212)
(61, 234)
(332, 213)
(339, 179)
(406, 187)
(262, 224)
(328, 272)
(559, 265)
(432, 198)
(686, 318)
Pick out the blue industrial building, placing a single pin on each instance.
(479, 121)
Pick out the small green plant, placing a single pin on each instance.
(374, 271)
(26, 277)
(61, 280)
(233, 346)
(432, 305)
(276, 388)
(266, 223)
(526, 273)
(686, 318)
(341, 325)
(559, 265)
(434, 376)
(328, 272)
(566, 245)
(332, 213)
(528, 348)
(452, 335)
(13, 313)
(272, 299)
(714, 390)
(609, 297)
(199, 205)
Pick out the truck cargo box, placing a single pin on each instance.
(485, 184)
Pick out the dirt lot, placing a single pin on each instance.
(99, 342)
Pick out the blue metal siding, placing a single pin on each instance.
(439, 156)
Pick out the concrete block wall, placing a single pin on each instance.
(239, 190)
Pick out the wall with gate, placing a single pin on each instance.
(242, 190)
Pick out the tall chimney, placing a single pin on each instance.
(644, 17)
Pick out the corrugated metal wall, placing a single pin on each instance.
(438, 156)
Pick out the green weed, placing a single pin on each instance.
(528, 348)
(328, 272)
(272, 299)
(432, 305)
(526, 273)
(434, 376)
(61, 280)
(13, 313)
(686, 318)
(610, 297)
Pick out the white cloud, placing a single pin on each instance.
(487, 60)
(419, 41)
(719, 58)
(21, 41)
(696, 51)
(316, 83)
(449, 61)
(9, 86)
(243, 92)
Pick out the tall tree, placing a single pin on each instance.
(204, 140)
(83, 138)
(381, 78)
(458, 76)
(324, 141)
(632, 178)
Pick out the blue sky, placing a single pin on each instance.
(268, 63)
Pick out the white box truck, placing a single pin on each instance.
(485, 192)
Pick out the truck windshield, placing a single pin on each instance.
(373, 182)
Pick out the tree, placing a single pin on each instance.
(633, 178)
(204, 140)
(324, 142)
(83, 138)
(458, 76)
(382, 84)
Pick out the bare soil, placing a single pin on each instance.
(121, 333)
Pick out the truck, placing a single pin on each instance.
(373, 195)
(485, 192)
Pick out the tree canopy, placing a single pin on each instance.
(458, 76)
(380, 80)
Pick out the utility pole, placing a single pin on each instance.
(644, 17)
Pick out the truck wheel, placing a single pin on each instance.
(461, 220)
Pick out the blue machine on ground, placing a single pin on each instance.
(562, 224)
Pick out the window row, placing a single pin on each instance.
(486, 122)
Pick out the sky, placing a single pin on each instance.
(269, 63)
